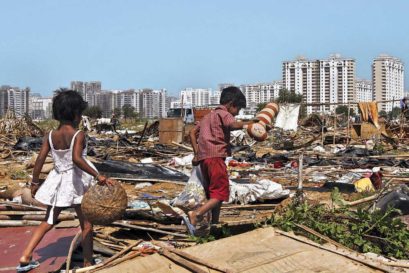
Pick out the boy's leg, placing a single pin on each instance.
(38, 234)
(87, 241)
(216, 213)
(214, 171)
(211, 204)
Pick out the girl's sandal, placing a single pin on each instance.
(24, 267)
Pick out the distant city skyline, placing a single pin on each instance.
(188, 44)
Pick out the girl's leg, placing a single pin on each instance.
(38, 234)
(87, 243)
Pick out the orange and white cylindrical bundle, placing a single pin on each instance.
(268, 113)
(258, 130)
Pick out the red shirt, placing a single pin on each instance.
(214, 134)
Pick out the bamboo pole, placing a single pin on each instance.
(143, 133)
(300, 177)
(73, 245)
(335, 128)
(36, 217)
(193, 258)
(106, 262)
(18, 223)
(348, 124)
(149, 180)
(182, 262)
(183, 146)
(150, 229)
(16, 206)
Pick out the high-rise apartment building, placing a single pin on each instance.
(14, 99)
(215, 97)
(190, 97)
(364, 90)
(88, 90)
(105, 101)
(321, 81)
(388, 81)
(128, 97)
(4, 99)
(152, 103)
(78, 86)
(260, 93)
(40, 107)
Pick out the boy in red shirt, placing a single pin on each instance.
(211, 145)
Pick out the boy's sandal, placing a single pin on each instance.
(24, 267)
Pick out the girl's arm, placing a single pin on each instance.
(82, 164)
(45, 148)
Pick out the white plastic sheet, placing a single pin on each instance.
(261, 190)
(287, 117)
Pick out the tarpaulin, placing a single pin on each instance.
(287, 117)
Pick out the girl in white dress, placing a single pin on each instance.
(69, 180)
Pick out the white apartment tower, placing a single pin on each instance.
(388, 81)
(302, 76)
(153, 103)
(191, 97)
(364, 90)
(18, 101)
(215, 97)
(321, 81)
(260, 93)
(40, 107)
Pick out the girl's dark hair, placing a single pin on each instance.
(68, 104)
(234, 95)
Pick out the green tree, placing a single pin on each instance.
(286, 96)
(118, 112)
(261, 106)
(383, 113)
(343, 109)
(395, 112)
(93, 112)
(129, 111)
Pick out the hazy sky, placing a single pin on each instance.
(174, 44)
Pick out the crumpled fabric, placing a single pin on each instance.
(261, 190)
(287, 117)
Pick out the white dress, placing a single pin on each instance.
(66, 183)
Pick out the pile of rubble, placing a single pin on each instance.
(303, 166)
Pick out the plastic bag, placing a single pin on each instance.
(192, 197)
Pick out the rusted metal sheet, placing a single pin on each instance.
(51, 252)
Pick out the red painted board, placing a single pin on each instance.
(51, 252)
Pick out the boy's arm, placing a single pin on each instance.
(42, 155)
(237, 125)
(193, 140)
(82, 164)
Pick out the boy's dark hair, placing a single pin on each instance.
(68, 104)
(234, 95)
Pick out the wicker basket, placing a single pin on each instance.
(103, 204)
